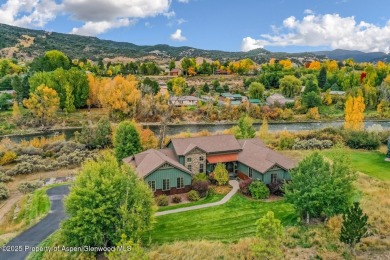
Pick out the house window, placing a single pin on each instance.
(180, 183)
(152, 185)
(166, 185)
(201, 167)
(274, 177)
(201, 158)
(189, 167)
(189, 159)
(250, 172)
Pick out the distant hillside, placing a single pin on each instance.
(358, 56)
(25, 44)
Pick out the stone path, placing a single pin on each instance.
(228, 196)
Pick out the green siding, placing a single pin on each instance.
(181, 160)
(266, 177)
(169, 173)
(245, 170)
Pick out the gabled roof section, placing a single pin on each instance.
(209, 144)
(259, 157)
(192, 147)
(150, 160)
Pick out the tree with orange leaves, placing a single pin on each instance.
(315, 65)
(354, 112)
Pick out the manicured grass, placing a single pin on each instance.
(371, 163)
(229, 222)
(208, 199)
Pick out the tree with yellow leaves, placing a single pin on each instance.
(16, 115)
(287, 64)
(327, 98)
(354, 112)
(120, 95)
(43, 103)
(331, 65)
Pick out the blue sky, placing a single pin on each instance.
(230, 25)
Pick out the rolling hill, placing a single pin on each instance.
(26, 44)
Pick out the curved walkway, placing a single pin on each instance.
(19, 247)
(228, 196)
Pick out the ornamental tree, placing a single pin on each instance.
(221, 175)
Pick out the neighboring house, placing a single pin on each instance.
(221, 72)
(170, 170)
(175, 72)
(254, 101)
(277, 98)
(338, 93)
(183, 101)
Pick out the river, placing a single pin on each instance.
(193, 128)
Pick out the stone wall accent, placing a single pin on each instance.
(195, 160)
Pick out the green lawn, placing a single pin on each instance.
(229, 222)
(208, 199)
(371, 163)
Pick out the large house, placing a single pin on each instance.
(170, 170)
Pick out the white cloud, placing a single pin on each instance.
(95, 28)
(33, 13)
(177, 36)
(184, 1)
(98, 16)
(326, 30)
(308, 11)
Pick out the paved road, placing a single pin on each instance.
(228, 196)
(36, 234)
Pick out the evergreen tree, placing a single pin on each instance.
(127, 140)
(388, 149)
(103, 134)
(322, 78)
(269, 230)
(206, 88)
(354, 226)
(18, 87)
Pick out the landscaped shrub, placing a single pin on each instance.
(221, 175)
(27, 187)
(4, 177)
(193, 195)
(176, 199)
(162, 200)
(8, 157)
(200, 177)
(312, 144)
(362, 140)
(276, 188)
(244, 186)
(201, 187)
(4, 193)
(259, 190)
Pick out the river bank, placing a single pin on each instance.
(176, 128)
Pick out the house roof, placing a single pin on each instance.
(259, 157)
(210, 144)
(278, 98)
(254, 101)
(184, 98)
(148, 161)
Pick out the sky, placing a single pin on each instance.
(229, 25)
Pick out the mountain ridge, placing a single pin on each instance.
(26, 44)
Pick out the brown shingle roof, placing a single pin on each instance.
(257, 156)
(210, 144)
(148, 161)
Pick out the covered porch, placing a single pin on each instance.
(229, 160)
